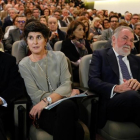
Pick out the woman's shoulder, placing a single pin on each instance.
(56, 53)
(24, 61)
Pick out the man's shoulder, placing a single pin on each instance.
(102, 51)
(6, 58)
(14, 30)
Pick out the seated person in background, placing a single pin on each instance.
(96, 27)
(14, 26)
(23, 49)
(136, 50)
(57, 14)
(114, 74)
(15, 34)
(44, 20)
(107, 33)
(134, 20)
(55, 33)
(86, 23)
(47, 79)
(65, 17)
(106, 24)
(11, 88)
(75, 46)
(8, 21)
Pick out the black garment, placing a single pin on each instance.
(124, 107)
(61, 122)
(11, 88)
(61, 36)
(7, 22)
(71, 52)
(104, 75)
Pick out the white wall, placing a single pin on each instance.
(119, 6)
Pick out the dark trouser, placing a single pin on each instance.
(6, 122)
(61, 122)
(125, 107)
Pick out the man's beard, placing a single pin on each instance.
(121, 50)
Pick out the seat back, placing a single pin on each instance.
(64, 29)
(1, 47)
(15, 48)
(58, 46)
(98, 45)
(83, 70)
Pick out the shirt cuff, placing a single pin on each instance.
(112, 93)
(4, 102)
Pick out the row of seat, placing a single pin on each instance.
(111, 131)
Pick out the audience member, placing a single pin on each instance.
(114, 74)
(11, 88)
(57, 14)
(55, 33)
(47, 80)
(75, 46)
(8, 21)
(15, 34)
(107, 33)
(134, 20)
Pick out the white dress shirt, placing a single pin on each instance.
(126, 61)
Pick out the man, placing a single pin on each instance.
(8, 21)
(56, 34)
(107, 34)
(66, 18)
(61, 23)
(127, 17)
(137, 38)
(36, 13)
(114, 74)
(15, 34)
(134, 20)
(11, 88)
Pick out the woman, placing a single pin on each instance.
(75, 46)
(47, 79)
(44, 20)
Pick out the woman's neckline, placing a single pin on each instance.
(34, 59)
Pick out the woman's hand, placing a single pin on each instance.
(37, 109)
(75, 92)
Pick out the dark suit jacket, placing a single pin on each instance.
(104, 74)
(62, 36)
(14, 35)
(11, 84)
(62, 23)
(7, 22)
(70, 51)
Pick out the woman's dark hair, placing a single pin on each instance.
(1, 34)
(72, 27)
(84, 20)
(36, 26)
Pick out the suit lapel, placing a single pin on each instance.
(113, 61)
(133, 66)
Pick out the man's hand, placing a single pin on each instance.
(37, 109)
(122, 88)
(133, 84)
(1, 102)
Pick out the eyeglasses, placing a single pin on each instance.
(136, 18)
(114, 21)
(35, 121)
(126, 39)
(56, 15)
(21, 21)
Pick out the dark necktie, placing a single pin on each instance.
(124, 68)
